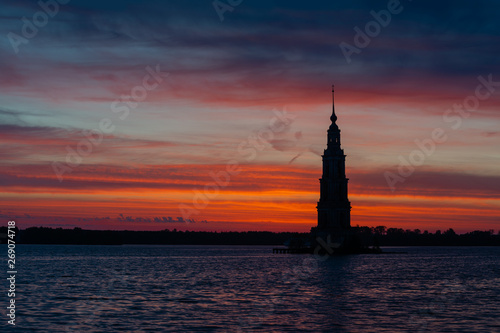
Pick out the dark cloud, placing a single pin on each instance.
(427, 182)
(286, 43)
(43, 143)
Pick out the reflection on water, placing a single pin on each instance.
(248, 289)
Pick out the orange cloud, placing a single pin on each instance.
(275, 197)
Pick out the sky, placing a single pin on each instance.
(212, 115)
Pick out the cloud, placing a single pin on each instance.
(491, 134)
(252, 179)
(428, 183)
(287, 52)
(29, 144)
(264, 55)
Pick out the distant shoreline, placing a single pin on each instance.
(378, 236)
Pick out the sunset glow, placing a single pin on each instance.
(229, 118)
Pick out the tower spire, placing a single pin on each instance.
(333, 117)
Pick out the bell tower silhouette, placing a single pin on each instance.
(334, 208)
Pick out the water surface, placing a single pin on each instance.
(248, 289)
